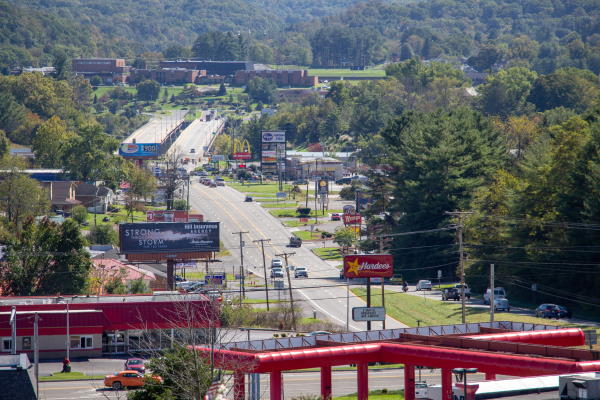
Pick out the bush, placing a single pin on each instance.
(103, 234)
(79, 214)
(180, 205)
(348, 193)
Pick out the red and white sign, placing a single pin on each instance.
(368, 265)
(352, 219)
(167, 216)
(196, 218)
(242, 156)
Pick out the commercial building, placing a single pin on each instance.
(111, 70)
(102, 325)
(211, 67)
(281, 77)
(307, 165)
(167, 76)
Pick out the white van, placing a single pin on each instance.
(499, 293)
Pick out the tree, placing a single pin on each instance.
(12, 113)
(177, 51)
(21, 198)
(566, 87)
(485, 59)
(148, 90)
(50, 142)
(96, 80)
(261, 89)
(79, 214)
(45, 259)
(138, 286)
(222, 90)
(103, 234)
(218, 45)
(170, 177)
(115, 284)
(141, 185)
(438, 160)
(506, 92)
(345, 237)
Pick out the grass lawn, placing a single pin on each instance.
(116, 218)
(294, 223)
(376, 395)
(307, 235)
(408, 309)
(292, 213)
(329, 253)
(279, 205)
(69, 376)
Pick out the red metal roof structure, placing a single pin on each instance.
(535, 352)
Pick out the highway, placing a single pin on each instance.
(157, 128)
(196, 136)
(323, 292)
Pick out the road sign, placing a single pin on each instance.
(368, 313)
(439, 273)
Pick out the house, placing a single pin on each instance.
(61, 194)
(107, 269)
(17, 378)
(96, 197)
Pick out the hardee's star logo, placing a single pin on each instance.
(353, 267)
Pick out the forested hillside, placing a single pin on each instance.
(29, 37)
(155, 24)
(541, 34)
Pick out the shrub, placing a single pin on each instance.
(79, 214)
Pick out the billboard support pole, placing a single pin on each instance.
(170, 273)
(368, 300)
(383, 298)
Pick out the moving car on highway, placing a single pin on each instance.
(277, 272)
(424, 284)
(300, 272)
(451, 294)
(276, 262)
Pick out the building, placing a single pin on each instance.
(111, 70)
(98, 198)
(17, 378)
(107, 269)
(281, 77)
(211, 67)
(306, 165)
(167, 76)
(103, 325)
(61, 194)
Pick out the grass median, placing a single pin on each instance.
(409, 309)
(69, 376)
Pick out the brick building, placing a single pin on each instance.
(167, 76)
(211, 67)
(281, 77)
(111, 70)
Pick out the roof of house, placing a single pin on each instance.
(61, 193)
(114, 267)
(87, 189)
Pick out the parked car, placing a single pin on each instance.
(135, 364)
(192, 150)
(336, 217)
(276, 262)
(451, 294)
(424, 284)
(467, 290)
(248, 199)
(316, 333)
(220, 181)
(277, 272)
(300, 272)
(499, 292)
(127, 379)
(563, 312)
(300, 182)
(295, 241)
(501, 304)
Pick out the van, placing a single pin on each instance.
(499, 293)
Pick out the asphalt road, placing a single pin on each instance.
(156, 129)
(295, 385)
(197, 135)
(323, 292)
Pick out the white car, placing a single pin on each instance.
(467, 290)
(501, 304)
(276, 262)
(499, 293)
(424, 284)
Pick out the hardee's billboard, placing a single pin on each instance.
(368, 266)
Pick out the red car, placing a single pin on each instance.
(336, 217)
(135, 364)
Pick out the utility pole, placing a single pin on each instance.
(262, 246)
(459, 235)
(242, 275)
(36, 354)
(492, 306)
(287, 270)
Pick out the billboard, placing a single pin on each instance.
(242, 156)
(269, 156)
(368, 265)
(169, 237)
(139, 150)
(273, 136)
(352, 219)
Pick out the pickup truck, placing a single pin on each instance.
(467, 290)
(451, 294)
